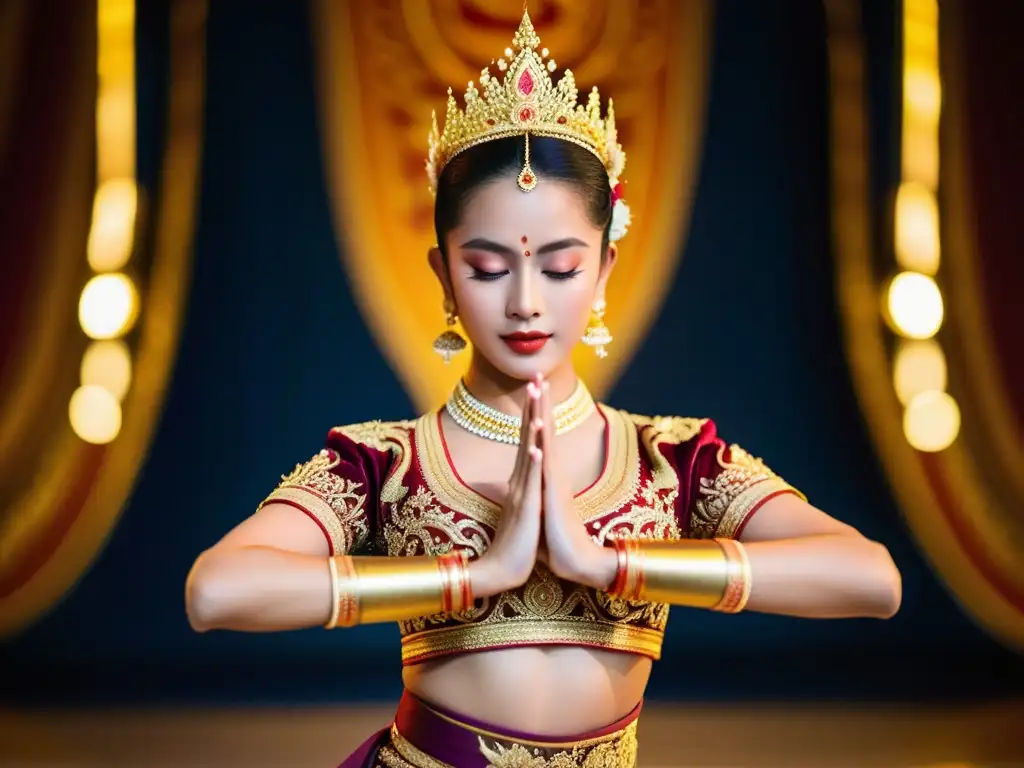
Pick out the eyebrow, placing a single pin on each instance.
(483, 244)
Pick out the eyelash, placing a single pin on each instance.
(487, 277)
(563, 275)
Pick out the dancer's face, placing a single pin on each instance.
(525, 263)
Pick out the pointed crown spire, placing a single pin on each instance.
(525, 100)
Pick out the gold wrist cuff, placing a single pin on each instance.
(698, 573)
(692, 573)
(374, 590)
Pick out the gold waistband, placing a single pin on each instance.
(613, 750)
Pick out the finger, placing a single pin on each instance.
(531, 494)
(524, 425)
(527, 437)
(548, 437)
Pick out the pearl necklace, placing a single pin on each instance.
(485, 421)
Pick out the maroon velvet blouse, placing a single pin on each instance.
(389, 488)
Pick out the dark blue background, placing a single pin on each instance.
(274, 352)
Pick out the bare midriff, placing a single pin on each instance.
(554, 691)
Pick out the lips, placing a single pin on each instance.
(526, 342)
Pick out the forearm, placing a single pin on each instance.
(264, 589)
(258, 589)
(821, 576)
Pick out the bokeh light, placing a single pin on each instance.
(109, 306)
(113, 225)
(920, 366)
(931, 421)
(108, 364)
(95, 414)
(914, 304)
(917, 229)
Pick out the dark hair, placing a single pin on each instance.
(552, 160)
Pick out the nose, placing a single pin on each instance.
(524, 301)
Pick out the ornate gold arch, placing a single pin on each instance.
(62, 510)
(384, 66)
(962, 504)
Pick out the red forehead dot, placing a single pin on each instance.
(526, 254)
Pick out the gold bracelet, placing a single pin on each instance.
(737, 591)
(699, 573)
(332, 568)
(371, 590)
(348, 597)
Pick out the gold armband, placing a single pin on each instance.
(374, 590)
(699, 573)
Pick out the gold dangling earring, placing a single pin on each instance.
(597, 335)
(449, 343)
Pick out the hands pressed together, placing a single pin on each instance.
(539, 520)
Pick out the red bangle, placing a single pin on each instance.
(629, 576)
(456, 590)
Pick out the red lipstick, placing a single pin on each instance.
(526, 343)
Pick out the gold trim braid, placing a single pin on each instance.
(629, 638)
(614, 750)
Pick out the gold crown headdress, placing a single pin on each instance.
(527, 102)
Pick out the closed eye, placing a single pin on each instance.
(479, 274)
(562, 275)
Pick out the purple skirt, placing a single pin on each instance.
(425, 736)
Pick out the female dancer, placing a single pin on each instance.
(528, 541)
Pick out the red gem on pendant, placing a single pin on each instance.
(525, 84)
(527, 179)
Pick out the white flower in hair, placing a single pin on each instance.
(620, 220)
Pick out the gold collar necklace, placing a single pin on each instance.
(485, 421)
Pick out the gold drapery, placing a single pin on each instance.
(961, 504)
(384, 66)
(62, 506)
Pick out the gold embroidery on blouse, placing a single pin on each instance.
(544, 610)
(440, 479)
(620, 480)
(661, 430)
(612, 490)
(652, 517)
(743, 483)
(386, 436)
(419, 525)
(336, 502)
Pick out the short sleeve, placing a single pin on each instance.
(727, 487)
(335, 489)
